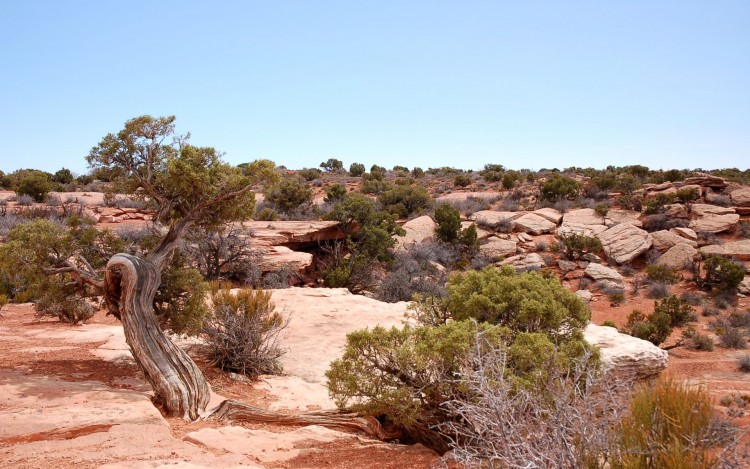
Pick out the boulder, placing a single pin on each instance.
(497, 248)
(625, 355)
(617, 216)
(524, 262)
(686, 233)
(706, 180)
(676, 211)
(417, 230)
(737, 249)
(293, 233)
(585, 295)
(744, 286)
(741, 197)
(494, 219)
(715, 223)
(702, 210)
(664, 239)
(687, 187)
(679, 256)
(715, 198)
(567, 266)
(535, 224)
(601, 272)
(550, 214)
(583, 216)
(276, 258)
(624, 242)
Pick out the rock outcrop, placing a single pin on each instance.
(706, 180)
(497, 248)
(741, 197)
(664, 240)
(550, 214)
(524, 262)
(737, 249)
(417, 230)
(679, 257)
(493, 219)
(534, 224)
(624, 242)
(293, 234)
(625, 355)
(600, 272)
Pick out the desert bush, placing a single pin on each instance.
(289, 194)
(691, 298)
(724, 300)
(559, 188)
(696, 341)
(657, 290)
(356, 169)
(25, 200)
(601, 209)
(661, 221)
(721, 274)
(416, 273)
(404, 201)
(575, 245)
(731, 337)
(221, 253)
(609, 323)
(744, 363)
(334, 193)
(687, 195)
(461, 180)
(541, 246)
(662, 273)
(372, 185)
(310, 174)
(656, 203)
(678, 310)
(35, 184)
(417, 172)
(242, 332)
(671, 425)
(266, 214)
(448, 223)
(654, 328)
(332, 165)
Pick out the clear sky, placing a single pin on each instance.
(527, 84)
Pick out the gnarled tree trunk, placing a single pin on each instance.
(130, 285)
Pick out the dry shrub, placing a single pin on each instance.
(242, 332)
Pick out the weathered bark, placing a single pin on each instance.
(130, 285)
(239, 411)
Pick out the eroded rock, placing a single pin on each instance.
(625, 355)
(679, 257)
(624, 242)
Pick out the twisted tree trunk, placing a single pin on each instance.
(130, 285)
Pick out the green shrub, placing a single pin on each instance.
(559, 188)
(601, 209)
(356, 169)
(267, 214)
(722, 274)
(289, 194)
(335, 194)
(654, 328)
(575, 245)
(679, 311)
(687, 195)
(661, 273)
(403, 201)
(609, 323)
(461, 180)
(310, 174)
(509, 180)
(332, 165)
(448, 223)
(242, 332)
(35, 184)
(656, 204)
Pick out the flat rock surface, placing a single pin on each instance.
(493, 219)
(551, 214)
(616, 216)
(293, 232)
(523, 262)
(679, 257)
(624, 242)
(534, 224)
(715, 223)
(738, 249)
(582, 216)
(741, 197)
(496, 248)
(665, 239)
(417, 231)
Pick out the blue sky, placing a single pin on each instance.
(526, 84)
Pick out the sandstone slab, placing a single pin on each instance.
(715, 223)
(665, 239)
(417, 230)
(686, 233)
(525, 262)
(706, 180)
(741, 197)
(494, 219)
(737, 249)
(601, 272)
(555, 216)
(679, 257)
(534, 224)
(583, 216)
(624, 242)
(293, 233)
(617, 216)
(625, 355)
(497, 248)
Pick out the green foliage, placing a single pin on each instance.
(669, 425)
(509, 180)
(722, 274)
(417, 172)
(180, 301)
(493, 172)
(369, 240)
(373, 184)
(332, 165)
(525, 302)
(267, 214)
(310, 174)
(242, 332)
(660, 273)
(679, 311)
(289, 194)
(559, 188)
(601, 209)
(448, 223)
(35, 184)
(335, 193)
(609, 323)
(462, 180)
(400, 170)
(261, 172)
(356, 169)
(403, 201)
(63, 176)
(687, 195)
(656, 204)
(405, 374)
(575, 245)
(654, 328)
